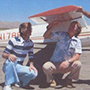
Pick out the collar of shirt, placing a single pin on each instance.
(22, 40)
(74, 38)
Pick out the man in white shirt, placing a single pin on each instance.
(66, 54)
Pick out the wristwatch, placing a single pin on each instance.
(69, 61)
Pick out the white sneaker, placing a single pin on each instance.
(17, 85)
(7, 87)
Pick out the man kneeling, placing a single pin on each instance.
(15, 53)
(66, 54)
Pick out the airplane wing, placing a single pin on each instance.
(63, 14)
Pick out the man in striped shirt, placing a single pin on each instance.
(15, 53)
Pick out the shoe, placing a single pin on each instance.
(7, 87)
(68, 83)
(17, 85)
(28, 87)
(53, 83)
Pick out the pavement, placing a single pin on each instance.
(42, 53)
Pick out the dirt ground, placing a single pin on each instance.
(43, 53)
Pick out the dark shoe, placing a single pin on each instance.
(51, 84)
(28, 87)
(68, 83)
(58, 78)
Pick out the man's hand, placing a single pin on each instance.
(50, 27)
(64, 65)
(32, 67)
(53, 24)
(80, 10)
(12, 57)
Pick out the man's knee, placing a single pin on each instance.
(49, 67)
(33, 74)
(77, 64)
(46, 66)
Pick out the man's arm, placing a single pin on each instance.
(74, 58)
(50, 27)
(5, 55)
(31, 66)
(30, 61)
(66, 63)
(87, 14)
(9, 56)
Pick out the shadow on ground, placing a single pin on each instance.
(83, 82)
(40, 58)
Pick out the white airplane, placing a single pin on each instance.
(64, 14)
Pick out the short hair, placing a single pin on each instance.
(78, 27)
(23, 26)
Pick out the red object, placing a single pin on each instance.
(59, 10)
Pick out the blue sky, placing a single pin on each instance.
(20, 10)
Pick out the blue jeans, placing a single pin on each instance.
(16, 73)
